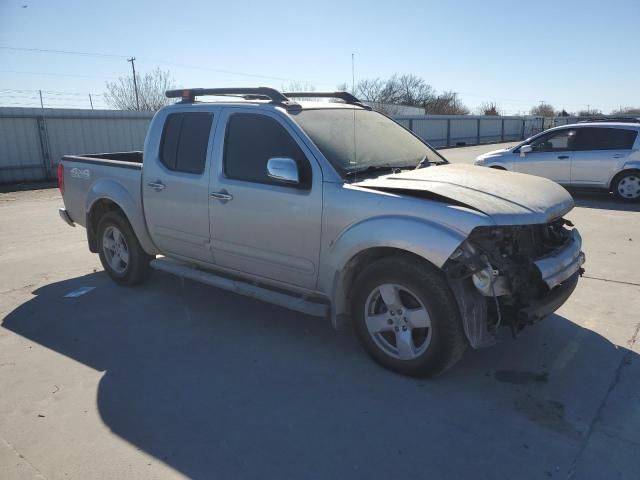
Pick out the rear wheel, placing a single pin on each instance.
(406, 317)
(626, 186)
(120, 252)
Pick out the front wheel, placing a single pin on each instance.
(120, 252)
(626, 186)
(406, 317)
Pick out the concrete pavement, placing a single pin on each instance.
(174, 379)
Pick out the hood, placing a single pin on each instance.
(509, 198)
(494, 153)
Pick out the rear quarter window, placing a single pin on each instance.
(595, 138)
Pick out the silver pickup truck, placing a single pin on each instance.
(330, 209)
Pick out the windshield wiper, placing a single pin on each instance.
(425, 162)
(376, 169)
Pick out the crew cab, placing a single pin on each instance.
(330, 209)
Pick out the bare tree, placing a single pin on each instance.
(407, 89)
(446, 103)
(299, 86)
(489, 109)
(592, 112)
(377, 93)
(372, 90)
(543, 110)
(410, 90)
(151, 91)
(633, 111)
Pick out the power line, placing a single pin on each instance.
(64, 52)
(57, 74)
(155, 60)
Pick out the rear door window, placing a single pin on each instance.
(602, 138)
(184, 141)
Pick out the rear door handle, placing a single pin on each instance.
(225, 196)
(157, 185)
(618, 155)
(563, 157)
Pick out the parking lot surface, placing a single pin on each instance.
(175, 379)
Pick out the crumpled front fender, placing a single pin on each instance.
(432, 242)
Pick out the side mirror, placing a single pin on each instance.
(284, 170)
(525, 149)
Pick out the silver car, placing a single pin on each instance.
(598, 155)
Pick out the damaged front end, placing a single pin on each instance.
(513, 276)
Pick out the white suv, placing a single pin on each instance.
(603, 155)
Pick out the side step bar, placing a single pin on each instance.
(296, 303)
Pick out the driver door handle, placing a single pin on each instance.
(563, 157)
(221, 196)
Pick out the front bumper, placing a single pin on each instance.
(562, 264)
(550, 302)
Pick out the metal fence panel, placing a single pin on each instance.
(20, 150)
(464, 131)
(452, 130)
(512, 129)
(32, 140)
(432, 130)
(491, 130)
(69, 136)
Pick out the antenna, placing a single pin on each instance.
(353, 91)
(353, 74)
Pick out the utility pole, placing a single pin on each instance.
(588, 109)
(135, 83)
(91, 101)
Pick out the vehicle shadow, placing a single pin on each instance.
(217, 385)
(602, 201)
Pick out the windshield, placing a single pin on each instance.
(376, 141)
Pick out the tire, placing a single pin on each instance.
(408, 343)
(626, 186)
(116, 240)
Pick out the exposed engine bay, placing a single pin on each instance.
(498, 281)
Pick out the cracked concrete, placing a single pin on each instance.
(175, 379)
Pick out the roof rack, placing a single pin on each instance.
(346, 97)
(188, 95)
(610, 119)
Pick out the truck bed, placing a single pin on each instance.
(116, 159)
(86, 177)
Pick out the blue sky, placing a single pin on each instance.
(568, 53)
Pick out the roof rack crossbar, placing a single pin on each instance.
(188, 95)
(613, 119)
(346, 97)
